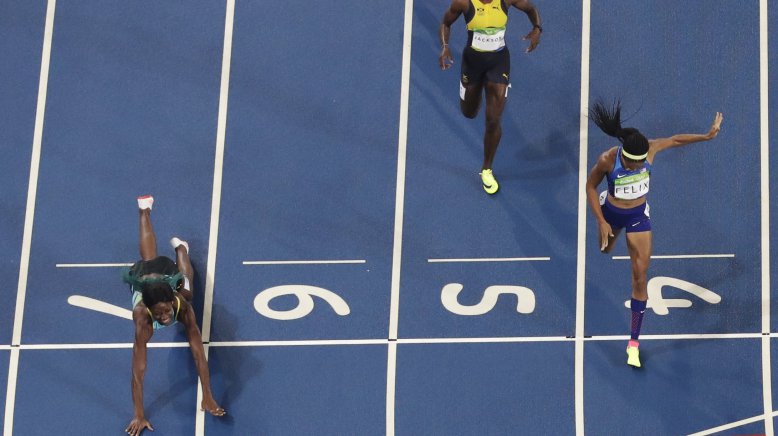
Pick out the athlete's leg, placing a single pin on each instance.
(639, 247)
(495, 104)
(470, 99)
(185, 266)
(148, 242)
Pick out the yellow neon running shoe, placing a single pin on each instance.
(633, 357)
(489, 183)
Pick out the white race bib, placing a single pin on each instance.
(488, 39)
(631, 187)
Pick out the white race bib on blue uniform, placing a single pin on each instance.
(631, 187)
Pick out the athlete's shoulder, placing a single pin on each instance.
(185, 305)
(607, 159)
(140, 315)
(139, 308)
(143, 324)
(186, 313)
(609, 155)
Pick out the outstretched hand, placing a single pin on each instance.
(534, 39)
(716, 126)
(137, 426)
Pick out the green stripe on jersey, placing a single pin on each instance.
(490, 30)
(631, 179)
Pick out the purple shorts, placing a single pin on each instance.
(635, 219)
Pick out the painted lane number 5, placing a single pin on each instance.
(450, 292)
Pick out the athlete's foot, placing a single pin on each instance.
(145, 202)
(488, 182)
(175, 243)
(633, 354)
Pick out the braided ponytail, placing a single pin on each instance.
(608, 119)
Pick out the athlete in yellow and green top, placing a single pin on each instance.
(486, 64)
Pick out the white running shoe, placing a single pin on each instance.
(175, 243)
(145, 202)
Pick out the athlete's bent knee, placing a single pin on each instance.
(469, 110)
(470, 113)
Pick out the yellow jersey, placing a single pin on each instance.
(482, 16)
(486, 24)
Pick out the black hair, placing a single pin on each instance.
(608, 119)
(156, 292)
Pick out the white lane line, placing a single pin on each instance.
(29, 217)
(391, 383)
(399, 204)
(682, 256)
(580, 274)
(764, 109)
(680, 336)
(406, 341)
(315, 342)
(213, 236)
(490, 259)
(484, 340)
(10, 394)
(302, 262)
(91, 265)
(245, 262)
(221, 128)
(100, 346)
(99, 306)
(402, 142)
(32, 189)
(731, 425)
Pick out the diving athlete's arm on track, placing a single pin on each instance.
(602, 167)
(657, 145)
(198, 354)
(143, 333)
(457, 8)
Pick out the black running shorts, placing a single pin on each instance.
(485, 66)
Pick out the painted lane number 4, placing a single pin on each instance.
(660, 305)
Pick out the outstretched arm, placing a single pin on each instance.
(657, 145)
(143, 332)
(198, 354)
(457, 8)
(534, 17)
